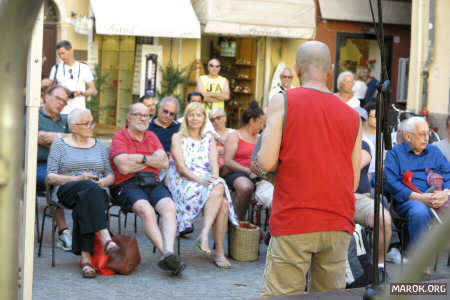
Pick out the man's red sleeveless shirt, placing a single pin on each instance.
(314, 183)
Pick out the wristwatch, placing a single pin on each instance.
(144, 159)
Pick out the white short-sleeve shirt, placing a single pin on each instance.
(74, 78)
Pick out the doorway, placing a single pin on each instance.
(49, 41)
(354, 50)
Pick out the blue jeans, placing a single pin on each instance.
(41, 173)
(419, 218)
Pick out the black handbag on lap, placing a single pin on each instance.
(147, 179)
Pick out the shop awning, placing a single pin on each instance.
(168, 18)
(275, 18)
(394, 12)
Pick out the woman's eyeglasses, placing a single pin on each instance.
(215, 118)
(87, 124)
(214, 66)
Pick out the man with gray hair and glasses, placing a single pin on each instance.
(286, 78)
(411, 197)
(165, 124)
(53, 125)
(136, 157)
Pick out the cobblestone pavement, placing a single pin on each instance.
(200, 280)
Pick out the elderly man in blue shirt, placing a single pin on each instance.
(417, 156)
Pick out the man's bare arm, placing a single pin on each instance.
(224, 96)
(91, 90)
(365, 158)
(214, 97)
(271, 141)
(46, 138)
(132, 163)
(356, 158)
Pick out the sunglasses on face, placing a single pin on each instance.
(215, 119)
(214, 66)
(172, 114)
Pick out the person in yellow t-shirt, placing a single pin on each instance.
(215, 88)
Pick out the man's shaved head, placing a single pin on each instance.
(313, 56)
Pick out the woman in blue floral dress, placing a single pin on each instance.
(195, 183)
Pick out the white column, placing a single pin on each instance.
(267, 69)
(34, 69)
(419, 35)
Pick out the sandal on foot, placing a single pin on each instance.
(87, 270)
(199, 248)
(112, 249)
(221, 262)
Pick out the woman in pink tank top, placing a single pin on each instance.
(238, 153)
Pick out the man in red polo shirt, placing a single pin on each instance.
(135, 151)
(315, 147)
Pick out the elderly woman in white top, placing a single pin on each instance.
(218, 118)
(78, 166)
(195, 183)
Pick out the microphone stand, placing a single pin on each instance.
(383, 131)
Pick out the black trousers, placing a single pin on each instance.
(89, 203)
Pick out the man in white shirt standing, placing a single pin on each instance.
(286, 78)
(74, 75)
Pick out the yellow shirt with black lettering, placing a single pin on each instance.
(213, 85)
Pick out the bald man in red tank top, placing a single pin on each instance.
(313, 141)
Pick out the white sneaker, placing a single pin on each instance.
(395, 257)
(65, 240)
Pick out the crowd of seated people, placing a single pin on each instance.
(80, 169)
(195, 160)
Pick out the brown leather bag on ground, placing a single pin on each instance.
(127, 258)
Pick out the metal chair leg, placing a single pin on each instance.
(126, 220)
(44, 215)
(53, 241)
(37, 220)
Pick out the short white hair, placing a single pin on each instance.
(76, 114)
(217, 110)
(342, 76)
(410, 124)
(402, 126)
(287, 69)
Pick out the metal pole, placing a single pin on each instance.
(34, 73)
(17, 18)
